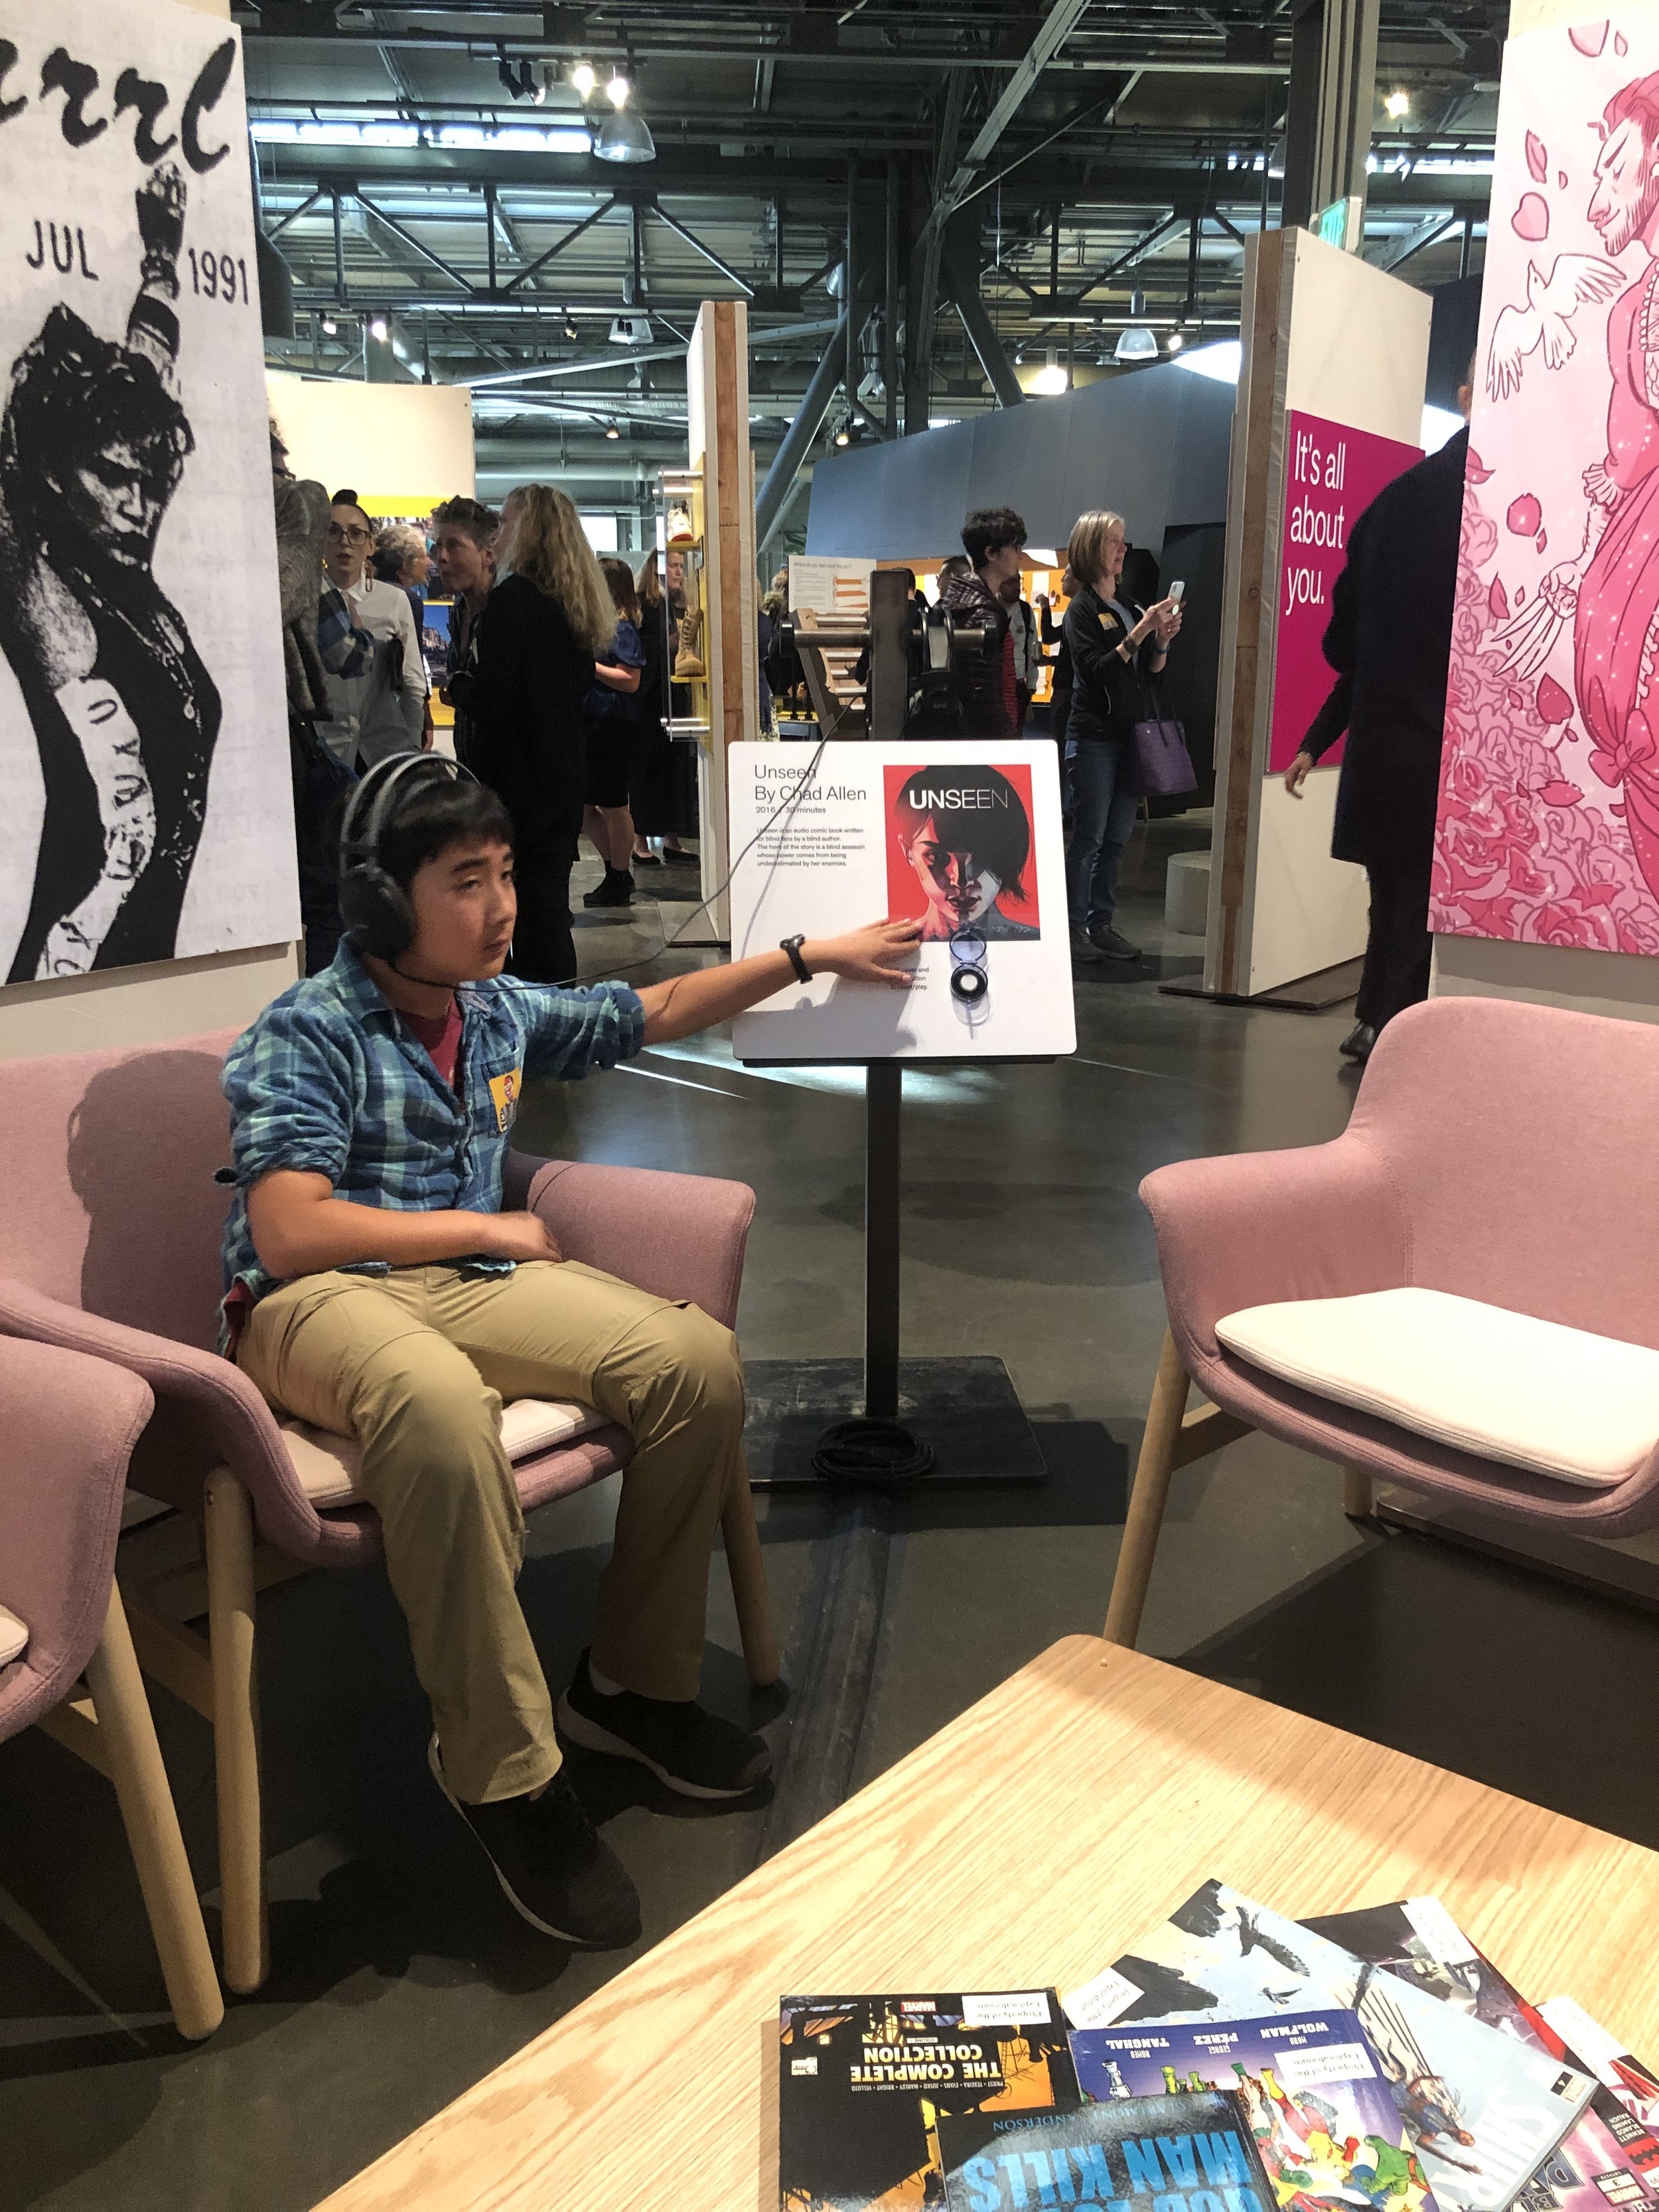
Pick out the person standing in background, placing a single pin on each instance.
(548, 614)
(1390, 641)
(611, 705)
(657, 799)
(1053, 636)
(466, 530)
(1118, 650)
(382, 709)
(970, 586)
(1023, 637)
(401, 558)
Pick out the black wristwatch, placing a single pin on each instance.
(791, 945)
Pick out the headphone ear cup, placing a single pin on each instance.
(375, 910)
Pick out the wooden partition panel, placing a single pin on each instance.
(1329, 340)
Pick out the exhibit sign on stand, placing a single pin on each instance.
(1329, 407)
(966, 837)
(143, 741)
(1548, 830)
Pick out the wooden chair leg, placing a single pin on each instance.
(1358, 1495)
(126, 1733)
(747, 1568)
(234, 1658)
(1145, 1517)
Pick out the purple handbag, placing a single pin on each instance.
(1159, 765)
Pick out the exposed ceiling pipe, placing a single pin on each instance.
(798, 439)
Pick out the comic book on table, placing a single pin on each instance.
(1324, 2121)
(1134, 2155)
(1483, 2110)
(1610, 2155)
(863, 2081)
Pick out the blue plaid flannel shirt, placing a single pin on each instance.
(330, 1081)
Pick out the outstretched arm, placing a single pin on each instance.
(152, 326)
(883, 953)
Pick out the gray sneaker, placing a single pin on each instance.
(1107, 941)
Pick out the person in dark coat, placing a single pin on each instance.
(543, 623)
(1390, 641)
(992, 539)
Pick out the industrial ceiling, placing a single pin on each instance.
(1011, 184)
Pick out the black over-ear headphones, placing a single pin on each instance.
(374, 907)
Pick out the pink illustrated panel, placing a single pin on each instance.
(1332, 474)
(1549, 797)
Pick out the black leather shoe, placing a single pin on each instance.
(690, 1750)
(1356, 1045)
(557, 1873)
(616, 889)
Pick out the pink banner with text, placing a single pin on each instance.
(1332, 474)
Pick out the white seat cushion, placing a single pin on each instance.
(327, 1465)
(14, 1637)
(1502, 1385)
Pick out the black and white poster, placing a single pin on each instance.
(143, 752)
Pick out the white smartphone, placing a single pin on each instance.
(1177, 593)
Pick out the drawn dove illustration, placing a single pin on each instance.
(1574, 281)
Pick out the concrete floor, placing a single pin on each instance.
(400, 1974)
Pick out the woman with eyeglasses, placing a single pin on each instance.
(382, 710)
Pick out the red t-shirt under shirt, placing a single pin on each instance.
(441, 1036)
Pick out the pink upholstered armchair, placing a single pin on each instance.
(70, 1423)
(109, 1224)
(1498, 1152)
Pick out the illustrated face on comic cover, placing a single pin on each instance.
(963, 836)
(958, 885)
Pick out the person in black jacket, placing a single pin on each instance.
(1390, 641)
(543, 624)
(970, 585)
(1117, 651)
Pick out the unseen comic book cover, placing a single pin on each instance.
(1191, 2153)
(864, 2082)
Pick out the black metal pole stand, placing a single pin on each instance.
(964, 1422)
(874, 1446)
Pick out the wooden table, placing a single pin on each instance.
(1025, 1845)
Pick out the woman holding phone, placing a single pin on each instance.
(1117, 651)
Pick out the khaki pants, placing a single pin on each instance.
(416, 1364)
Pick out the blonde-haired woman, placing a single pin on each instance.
(1117, 653)
(548, 616)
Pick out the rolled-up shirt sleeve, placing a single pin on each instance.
(291, 1086)
(572, 1032)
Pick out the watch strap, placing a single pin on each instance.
(791, 945)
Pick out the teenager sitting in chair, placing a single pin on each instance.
(377, 1290)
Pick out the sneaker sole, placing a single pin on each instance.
(545, 1927)
(592, 1737)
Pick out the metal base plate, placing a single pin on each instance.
(966, 1409)
(1309, 994)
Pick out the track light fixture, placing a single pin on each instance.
(570, 326)
(611, 431)
(379, 329)
(584, 78)
(619, 87)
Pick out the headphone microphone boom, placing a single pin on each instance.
(375, 908)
